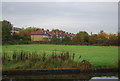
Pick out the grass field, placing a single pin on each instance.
(97, 55)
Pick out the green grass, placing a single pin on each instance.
(96, 55)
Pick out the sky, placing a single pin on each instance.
(68, 16)
(60, 0)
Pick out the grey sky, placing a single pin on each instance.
(68, 16)
(60, 0)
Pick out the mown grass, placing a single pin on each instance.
(96, 55)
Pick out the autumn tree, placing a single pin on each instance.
(93, 39)
(113, 39)
(25, 33)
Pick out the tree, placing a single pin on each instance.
(82, 37)
(103, 38)
(31, 29)
(113, 39)
(54, 39)
(56, 30)
(66, 39)
(93, 39)
(118, 39)
(6, 31)
(24, 34)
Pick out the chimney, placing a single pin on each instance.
(42, 30)
(56, 32)
(53, 32)
(61, 32)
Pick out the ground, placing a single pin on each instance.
(97, 55)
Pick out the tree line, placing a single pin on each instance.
(81, 38)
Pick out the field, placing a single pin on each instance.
(96, 55)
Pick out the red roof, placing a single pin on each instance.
(42, 32)
(51, 33)
(38, 32)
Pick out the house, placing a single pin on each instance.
(42, 35)
(39, 35)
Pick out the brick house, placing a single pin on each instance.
(41, 35)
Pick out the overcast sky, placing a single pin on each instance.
(68, 16)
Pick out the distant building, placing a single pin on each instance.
(15, 30)
(41, 35)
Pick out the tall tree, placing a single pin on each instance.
(6, 30)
